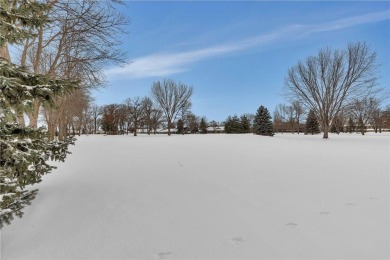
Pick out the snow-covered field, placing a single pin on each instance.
(211, 197)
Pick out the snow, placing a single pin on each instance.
(212, 196)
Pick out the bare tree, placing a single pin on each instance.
(338, 123)
(96, 112)
(110, 119)
(171, 97)
(148, 112)
(156, 118)
(122, 115)
(386, 117)
(136, 109)
(193, 122)
(299, 110)
(290, 112)
(279, 117)
(77, 43)
(363, 110)
(377, 120)
(330, 80)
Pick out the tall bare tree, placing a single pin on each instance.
(79, 41)
(279, 117)
(377, 120)
(136, 111)
(96, 112)
(330, 80)
(289, 111)
(156, 118)
(193, 122)
(299, 111)
(148, 112)
(171, 97)
(386, 117)
(363, 110)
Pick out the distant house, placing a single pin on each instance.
(165, 131)
(216, 129)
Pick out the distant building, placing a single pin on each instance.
(216, 129)
(165, 131)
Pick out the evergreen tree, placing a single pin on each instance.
(246, 125)
(263, 122)
(312, 125)
(233, 125)
(24, 152)
(180, 127)
(351, 126)
(18, 19)
(237, 127)
(228, 125)
(203, 126)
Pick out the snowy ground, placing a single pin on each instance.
(211, 197)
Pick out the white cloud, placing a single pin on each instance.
(166, 64)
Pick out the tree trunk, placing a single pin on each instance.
(51, 130)
(33, 116)
(326, 129)
(60, 130)
(20, 117)
(4, 53)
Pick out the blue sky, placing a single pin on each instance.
(236, 54)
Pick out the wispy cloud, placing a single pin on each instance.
(165, 64)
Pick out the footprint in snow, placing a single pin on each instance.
(162, 255)
(236, 241)
(291, 225)
(181, 165)
(324, 213)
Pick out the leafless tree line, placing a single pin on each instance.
(359, 115)
(169, 100)
(79, 41)
(289, 117)
(130, 116)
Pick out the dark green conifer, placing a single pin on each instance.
(180, 127)
(312, 125)
(203, 126)
(263, 123)
(233, 125)
(246, 125)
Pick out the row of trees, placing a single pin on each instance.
(338, 86)
(239, 125)
(356, 116)
(169, 101)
